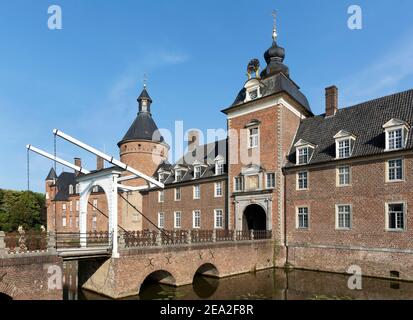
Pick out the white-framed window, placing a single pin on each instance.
(64, 220)
(343, 216)
(238, 184)
(270, 180)
(161, 177)
(70, 220)
(95, 189)
(77, 205)
(396, 131)
(64, 207)
(177, 219)
(343, 148)
(77, 188)
(47, 195)
(197, 172)
(302, 180)
(94, 223)
(396, 216)
(178, 175)
(71, 189)
(196, 219)
(395, 170)
(197, 191)
(95, 204)
(218, 189)
(161, 196)
(253, 137)
(302, 217)
(71, 206)
(343, 176)
(161, 220)
(219, 167)
(219, 218)
(77, 222)
(395, 139)
(177, 194)
(302, 155)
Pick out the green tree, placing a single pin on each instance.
(21, 208)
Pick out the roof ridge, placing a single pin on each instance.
(377, 99)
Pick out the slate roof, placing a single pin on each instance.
(203, 154)
(276, 84)
(143, 128)
(51, 175)
(63, 181)
(364, 120)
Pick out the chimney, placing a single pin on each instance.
(100, 163)
(193, 140)
(78, 162)
(331, 101)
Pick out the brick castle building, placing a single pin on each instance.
(334, 189)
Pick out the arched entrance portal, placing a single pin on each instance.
(254, 218)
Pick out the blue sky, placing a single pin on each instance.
(84, 79)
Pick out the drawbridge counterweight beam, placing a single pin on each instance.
(108, 158)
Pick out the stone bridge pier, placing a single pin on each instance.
(177, 265)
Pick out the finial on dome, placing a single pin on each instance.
(145, 80)
(274, 30)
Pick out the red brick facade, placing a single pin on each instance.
(206, 204)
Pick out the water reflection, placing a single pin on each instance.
(272, 284)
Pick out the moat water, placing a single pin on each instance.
(271, 284)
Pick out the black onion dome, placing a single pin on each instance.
(274, 57)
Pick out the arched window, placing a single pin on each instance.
(71, 189)
(77, 188)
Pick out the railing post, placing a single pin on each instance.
(234, 235)
(122, 240)
(214, 235)
(2, 244)
(189, 237)
(252, 234)
(158, 239)
(51, 242)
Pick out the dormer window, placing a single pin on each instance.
(396, 134)
(219, 165)
(178, 175)
(302, 155)
(343, 148)
(71, 189)
(253, 90)
(344, 144)
(77, 188)
(395, 139)
(253, 94)
(197, 172)
(304, 151)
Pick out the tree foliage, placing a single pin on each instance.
(21, 208)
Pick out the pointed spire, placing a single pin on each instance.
(52, 175)
(274, 30)
(144, 101)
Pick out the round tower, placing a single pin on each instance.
(143, 147)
